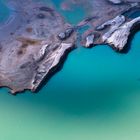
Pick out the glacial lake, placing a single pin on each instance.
(96, 96)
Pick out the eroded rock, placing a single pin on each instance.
(33, 50)
(35, 38)
(119, 38)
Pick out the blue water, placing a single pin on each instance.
(4, 12)
(96, 96)
(73, 16)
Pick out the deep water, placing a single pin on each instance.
(96, 96)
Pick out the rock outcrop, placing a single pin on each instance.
(118, 37)
(32, 49)
(116, 29)
(35, 38)
(115, 1)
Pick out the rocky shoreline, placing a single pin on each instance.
(34, 42)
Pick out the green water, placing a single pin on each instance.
(96, 96)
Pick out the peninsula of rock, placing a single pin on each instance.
(35, 39)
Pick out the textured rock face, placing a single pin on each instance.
(110, 23)
(35, 38)
(119, 37)
(115, 1)
(30, 51)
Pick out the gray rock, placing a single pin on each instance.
(119, 38)
(28, 55)
(115, 1)
(35, 38)
(89, 40)
(62, 36)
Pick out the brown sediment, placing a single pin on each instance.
(33, 50)
(29, 29)
(28, 41)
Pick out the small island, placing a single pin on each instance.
(36, 38)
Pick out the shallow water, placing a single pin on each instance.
(96, 96)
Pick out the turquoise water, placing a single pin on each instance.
(3, 11)
(96, 96)
(73, 16)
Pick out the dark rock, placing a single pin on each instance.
(41, 16)
(62, 36)
(69, 31)
(46, 9)
(66, 34)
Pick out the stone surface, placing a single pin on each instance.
(118, 38)
(30, 47)
(110, 22)
(115, 1)
(35, 38)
